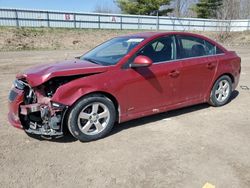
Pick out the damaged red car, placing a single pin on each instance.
(125, 78)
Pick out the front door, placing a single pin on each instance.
(149, 88)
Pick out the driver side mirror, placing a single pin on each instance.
(141, 61)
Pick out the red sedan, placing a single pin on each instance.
(125, 78)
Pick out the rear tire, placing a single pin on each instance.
(92, 118)
(221, 91)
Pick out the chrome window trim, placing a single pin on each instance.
(174, 60)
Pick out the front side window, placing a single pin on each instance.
(110, 52)
(195, 47)
(160, 50)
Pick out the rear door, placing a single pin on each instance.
(199, 62)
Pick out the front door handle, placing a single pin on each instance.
(211, 65)
(174, 73)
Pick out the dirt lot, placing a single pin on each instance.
(182, 148)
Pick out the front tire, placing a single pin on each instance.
(221, 91)
(92, 118)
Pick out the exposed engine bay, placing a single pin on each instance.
(38, 114)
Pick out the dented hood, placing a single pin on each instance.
(35, 76)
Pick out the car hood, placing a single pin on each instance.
(37, 75)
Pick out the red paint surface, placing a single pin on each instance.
(139, 91)
(143, 61)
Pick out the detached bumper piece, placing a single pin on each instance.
(45, 133)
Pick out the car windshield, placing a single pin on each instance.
(110, 52)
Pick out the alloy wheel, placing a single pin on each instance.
(94, 118)
(223, 90)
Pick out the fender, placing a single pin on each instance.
(69, 93)
(231, 69)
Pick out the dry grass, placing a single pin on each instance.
(13, 39)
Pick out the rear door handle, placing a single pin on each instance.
(210, 65)
(174, 73)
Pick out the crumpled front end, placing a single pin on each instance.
(32, 110)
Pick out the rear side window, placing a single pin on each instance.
(195, 47)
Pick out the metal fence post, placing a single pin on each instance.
(74, 15)
(121, 22)
(173, 24)
(138, 23)
(48, 24)
(230, 26)
(248, 25)
(99, 21)
(16, 17)
(157, 21)
(217, 26)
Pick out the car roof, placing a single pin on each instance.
(145, 34)
(151, 35)
(157, 34)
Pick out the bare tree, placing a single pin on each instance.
(179, 7)
(183, 8)
(230, 10)
(106, 7)
(245, 9)
(102, 9)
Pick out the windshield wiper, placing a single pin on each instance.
(92, 60)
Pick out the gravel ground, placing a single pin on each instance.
(182, 148)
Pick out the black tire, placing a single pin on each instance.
(214, 101)
(73, 118)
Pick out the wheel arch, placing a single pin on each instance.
(223, 74)
(227, 74)
(210, 99)
(218, 77)
(103, 94)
